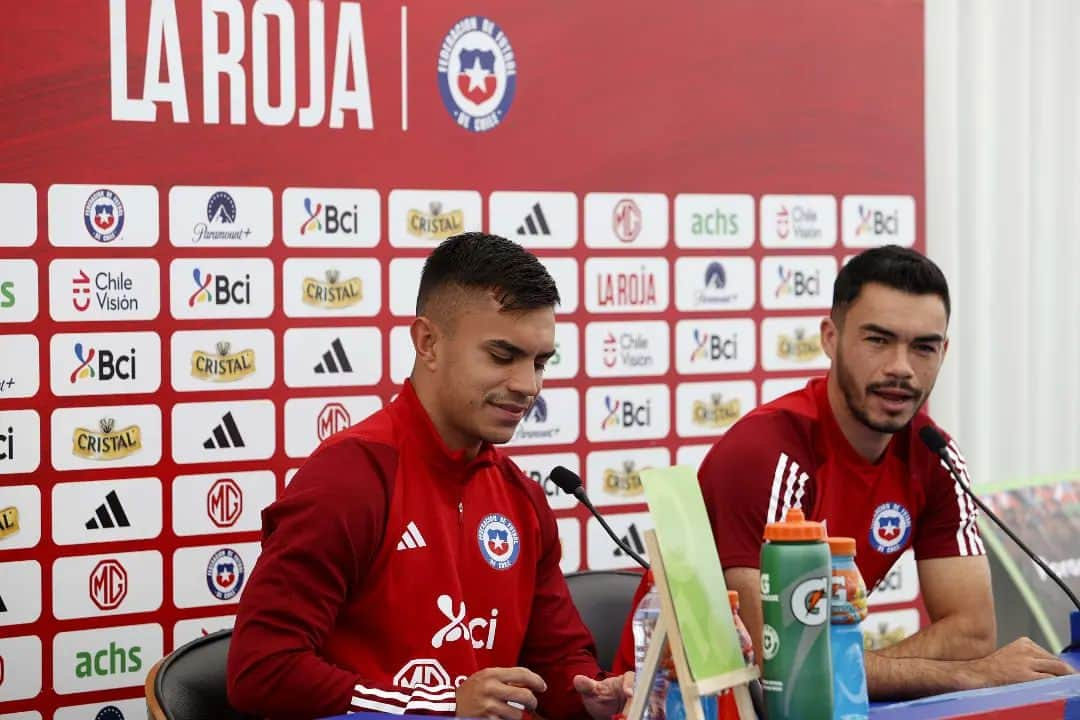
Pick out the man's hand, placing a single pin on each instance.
(1019, 661)
(604, 698)
(489, 692)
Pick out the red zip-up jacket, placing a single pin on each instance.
(392, 569)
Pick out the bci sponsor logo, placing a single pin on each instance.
(716, 412)
(222, 365)
(799, 346)
(877, 223)
(334, 292)
(478, 632)
(626, 413)
(796, 283)
(624, 481)
(219, 289)
(713, 347)
(329, 219)
(108, 443)
(621, 289)
(101, 364)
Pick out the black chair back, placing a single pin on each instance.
(189, 683)
(603, 598)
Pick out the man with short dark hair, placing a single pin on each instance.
(410, 566)
(846, 449)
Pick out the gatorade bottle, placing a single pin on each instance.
(795, 585)
(848, 609)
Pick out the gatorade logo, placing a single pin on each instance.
(810, 601)
(770, 642)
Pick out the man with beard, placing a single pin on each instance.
(846, 449)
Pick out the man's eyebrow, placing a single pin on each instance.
(879, 330)
(513, 350)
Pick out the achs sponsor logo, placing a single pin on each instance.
(714, 221)
(113, 659)
(498, 540)
(334, 292)
(890, 528)
(108, 584)
(872, 220)
(18, 290)
(478, 632)
(104, 658)
(224, 502)
(103, 215)
(626, 349)
(225, 574)
(333, 418)
(223, 365)
(619, 285)
(434, 223)
(9, 521)
(425, 674)
(108, 442)
(716, 412)
(798, 221)
(477, 73)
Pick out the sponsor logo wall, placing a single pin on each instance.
(173, 346)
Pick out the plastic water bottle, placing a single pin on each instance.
(796, 580)
(645, 616)
(848, 609)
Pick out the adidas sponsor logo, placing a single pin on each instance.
(334, 360)
(632, 539)
(225, 435)
(411, 539)
(110, 514)
(535, 223)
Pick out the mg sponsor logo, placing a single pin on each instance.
(714, 221)
(538, 469)
(798, 221)
(105, 363)
(331, 287)
(627, 348)
(873, 220)
(99, 585)
(715, 346)
(614, 285)
(613, 477)
(224, 502)
(424, 218)
(797, 282)
(552, 419)
(108, 584)
(330, 217)
(792, 343)
(18, 203)
(18, 291)
(220, 216)
(309, 421)
(104, 290)
(712, 284)
(535, 219)
(627, 412)
(626, 220)
(710, 408)
(221, 288)
(99, 215)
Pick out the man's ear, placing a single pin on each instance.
(830, 336)
(426, 339)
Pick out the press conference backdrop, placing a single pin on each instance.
(215, 215)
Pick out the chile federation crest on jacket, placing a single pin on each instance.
(499, 541)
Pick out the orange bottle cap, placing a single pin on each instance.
(733, 599)
(842, 546)
(795, 528)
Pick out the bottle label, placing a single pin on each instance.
(810, 601)
(770, 642)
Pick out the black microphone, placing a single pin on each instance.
(570, 483)
(936, 442)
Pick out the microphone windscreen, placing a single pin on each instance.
(566, 479)
(933, 439)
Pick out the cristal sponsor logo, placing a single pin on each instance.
(219, 289)
(224, 502)
(101, 365)
(107, 291)
(225, 574)
(625, 481)
(799, 346)
(810, 601)
(425, 674)
(875, 223)
(626, 289)
(626, 220)
(108, 584)
(333, 418)
(9, 521)
(712, 291)
(715, 412)
(629, 348)
(626, 413)
(103, 215)
(536, 415)
(800, 221)
(222, 365)
(334, 293)
(7, 444)
(797, 283)
(435, 224)
(477, 73)
(108, 444)
(220, 211)
(478, 632)
(714, 224)
(329, 219)
(712, 347)
(114, 660)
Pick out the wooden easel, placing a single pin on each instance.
(667, 630)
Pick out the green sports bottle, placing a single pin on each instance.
(796, 577)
